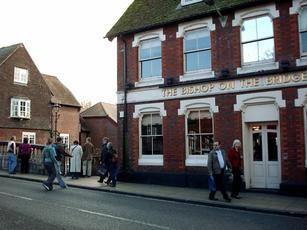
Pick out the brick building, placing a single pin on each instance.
(24, 97)
(100, 121)
(191, 71)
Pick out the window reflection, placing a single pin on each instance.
(151, 134)
(200, 132)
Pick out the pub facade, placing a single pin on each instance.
(191, 72)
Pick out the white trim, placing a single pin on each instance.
(149, 81)
(208, 103)
(148, 35)
(301, 97)
(301, 61)
(256, 67)
(296, 5)
(272, 97)
(28, 134)
(149, 108)
(196, 24)
(189, 76)
(196, 160)
(153, 160)
(253, 12)
(189, 2)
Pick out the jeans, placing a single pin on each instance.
(12, 162)
(50, 168)
(58, 175)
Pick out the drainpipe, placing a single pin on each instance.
(125, 118)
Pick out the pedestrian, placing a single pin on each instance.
(12, 158)
(217, 161)
(103, 161)
(75, 161)
(25, 150)
(49, 162)
(235, 157)
(113, 165)
(59, 148)
(88, 152)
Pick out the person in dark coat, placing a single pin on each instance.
(103, 159)
(25, 150)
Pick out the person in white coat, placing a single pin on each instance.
(75, 161)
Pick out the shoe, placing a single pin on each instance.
(100, 181)
(112, 185)
(213, 198)
(46, 187)
(64, 187)
(227, 199)
(236, 197)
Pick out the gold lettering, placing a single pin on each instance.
(270, 81)
(296, 78)
(304, 76)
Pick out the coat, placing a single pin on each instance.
(213, 162)
(75, 161)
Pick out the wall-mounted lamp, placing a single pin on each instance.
(223, 19)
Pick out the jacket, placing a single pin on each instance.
(213, 162)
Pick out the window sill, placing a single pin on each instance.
(21, 118)
(301, 62)
(197, 75)
(154, 160)
(257, 67)
(200, 160)
(149, 81)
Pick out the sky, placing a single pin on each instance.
(65, 38)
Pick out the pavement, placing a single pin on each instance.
(251, 201)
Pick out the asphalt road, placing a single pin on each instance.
(26, 205)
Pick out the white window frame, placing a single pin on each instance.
(65, 138)
(18, 112)
(138, 38)
(185, 107)
(189, 2)
(21, 75)
(139, 111)
(30, 136)
(297, 6)
(241, 15)
(206, 23)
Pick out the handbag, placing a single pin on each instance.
(211, 184)
(228, 174)
(101, 170)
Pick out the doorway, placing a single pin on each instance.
(265, 159)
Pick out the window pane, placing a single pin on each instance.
(144, 53)
(303, 19)
(248, 30)
(206, 143)
(146, 124)
(156, 124)
(197, 39)
(272, 147)
(193, 122)
(205, 60)
(158, 145)
(250, 52)
(191, 61)
(205, 122)
(156, 51)
(194, 144)
(156, 67)
(304, 41)
(150, 49)
(257, 147)
(264, 27)
(266, 49)
(146, 145)
(204, 42)
(146, 69)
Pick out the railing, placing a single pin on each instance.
(35, 161)
(36, 165)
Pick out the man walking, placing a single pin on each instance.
(60, 152)
(217, 162)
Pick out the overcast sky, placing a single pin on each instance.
(65, 38)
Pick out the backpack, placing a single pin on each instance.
(59, 149)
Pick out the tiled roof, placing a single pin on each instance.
(146, 14)
(101, 109)
(60, 93)
(5, 52)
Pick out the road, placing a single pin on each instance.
(26, 205)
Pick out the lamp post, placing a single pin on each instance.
(54, 120)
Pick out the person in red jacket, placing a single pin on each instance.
(234, 156)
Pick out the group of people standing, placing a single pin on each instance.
(24, 154)
(218, 163)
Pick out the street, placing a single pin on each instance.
(26, 205)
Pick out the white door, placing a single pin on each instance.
(265, 161)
